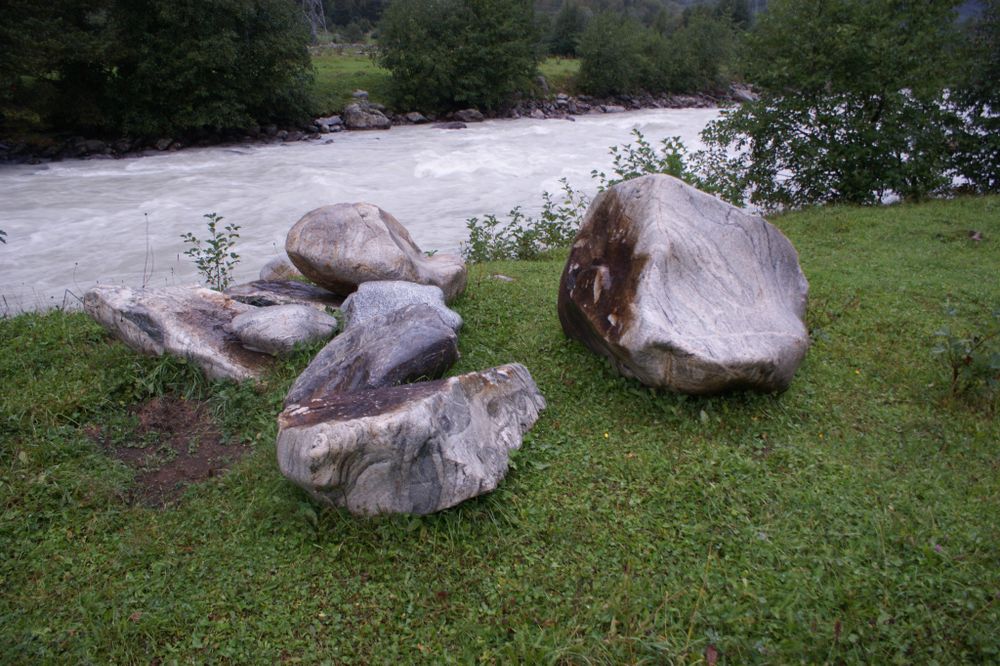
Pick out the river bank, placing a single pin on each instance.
(57, 147)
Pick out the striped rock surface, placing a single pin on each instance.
(417, 448)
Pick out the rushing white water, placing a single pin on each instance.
(72, 224)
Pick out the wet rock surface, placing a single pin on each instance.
(277, 330)
(418, 448)
(341, 246)
(189, 322)
(683, 291)
(404, 345)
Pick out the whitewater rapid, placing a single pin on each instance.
(73, 224)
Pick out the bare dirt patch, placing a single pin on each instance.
(171, 443)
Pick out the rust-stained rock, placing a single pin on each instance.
(339, 247)
(265, 293)
(683, 291)
(190, 322)
(417, 448)
(403, 345)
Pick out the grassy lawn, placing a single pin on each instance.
(339, 75)
(560, 73)
(853, 519)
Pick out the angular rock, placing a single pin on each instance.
(361, 116)
(378, 298)
(268, 293)
(339, 247)
(279, 329)
(279, 268)
(683, 291)
(401, 346)
(415, 118)
(416, 449)
(184, 321)
(613, 108)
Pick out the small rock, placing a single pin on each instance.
(538, 114)
(415, 118)
(394, 348)
(278, 330)
(469, 116)
(450, 126)
(612, 108)
(279, 268)
(375, 298)
(163, 144)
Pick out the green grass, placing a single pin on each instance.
(339, 75)
(853, 519)
(560, 73)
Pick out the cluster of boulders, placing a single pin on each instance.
(367, 425)
(677, 288)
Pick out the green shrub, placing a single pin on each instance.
(450, 54)
(852, 104)
(214, 257)
(972, 358)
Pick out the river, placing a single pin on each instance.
(73, 224)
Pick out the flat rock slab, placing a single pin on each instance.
(401, 346)
(267, 293)
(415, 449)
(278, 330)
(376, 298)
(683, 291)
(189, 322)
(341, 246)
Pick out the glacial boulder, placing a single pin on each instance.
(277, 330)
(340, 246)
(684, 291)
(414, 449)
(190, 322)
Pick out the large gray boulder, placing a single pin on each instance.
(267, 293)
(362, 116)
(403, 345)
(377, 298)
(683, 291)
(190, 322)
(341, 246)
(278, 330)
(414, 449)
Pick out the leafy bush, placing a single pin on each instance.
(852, 106)
(524, 237)
(612, 55)
(214, 257)
(449, 54)
(972, 358)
